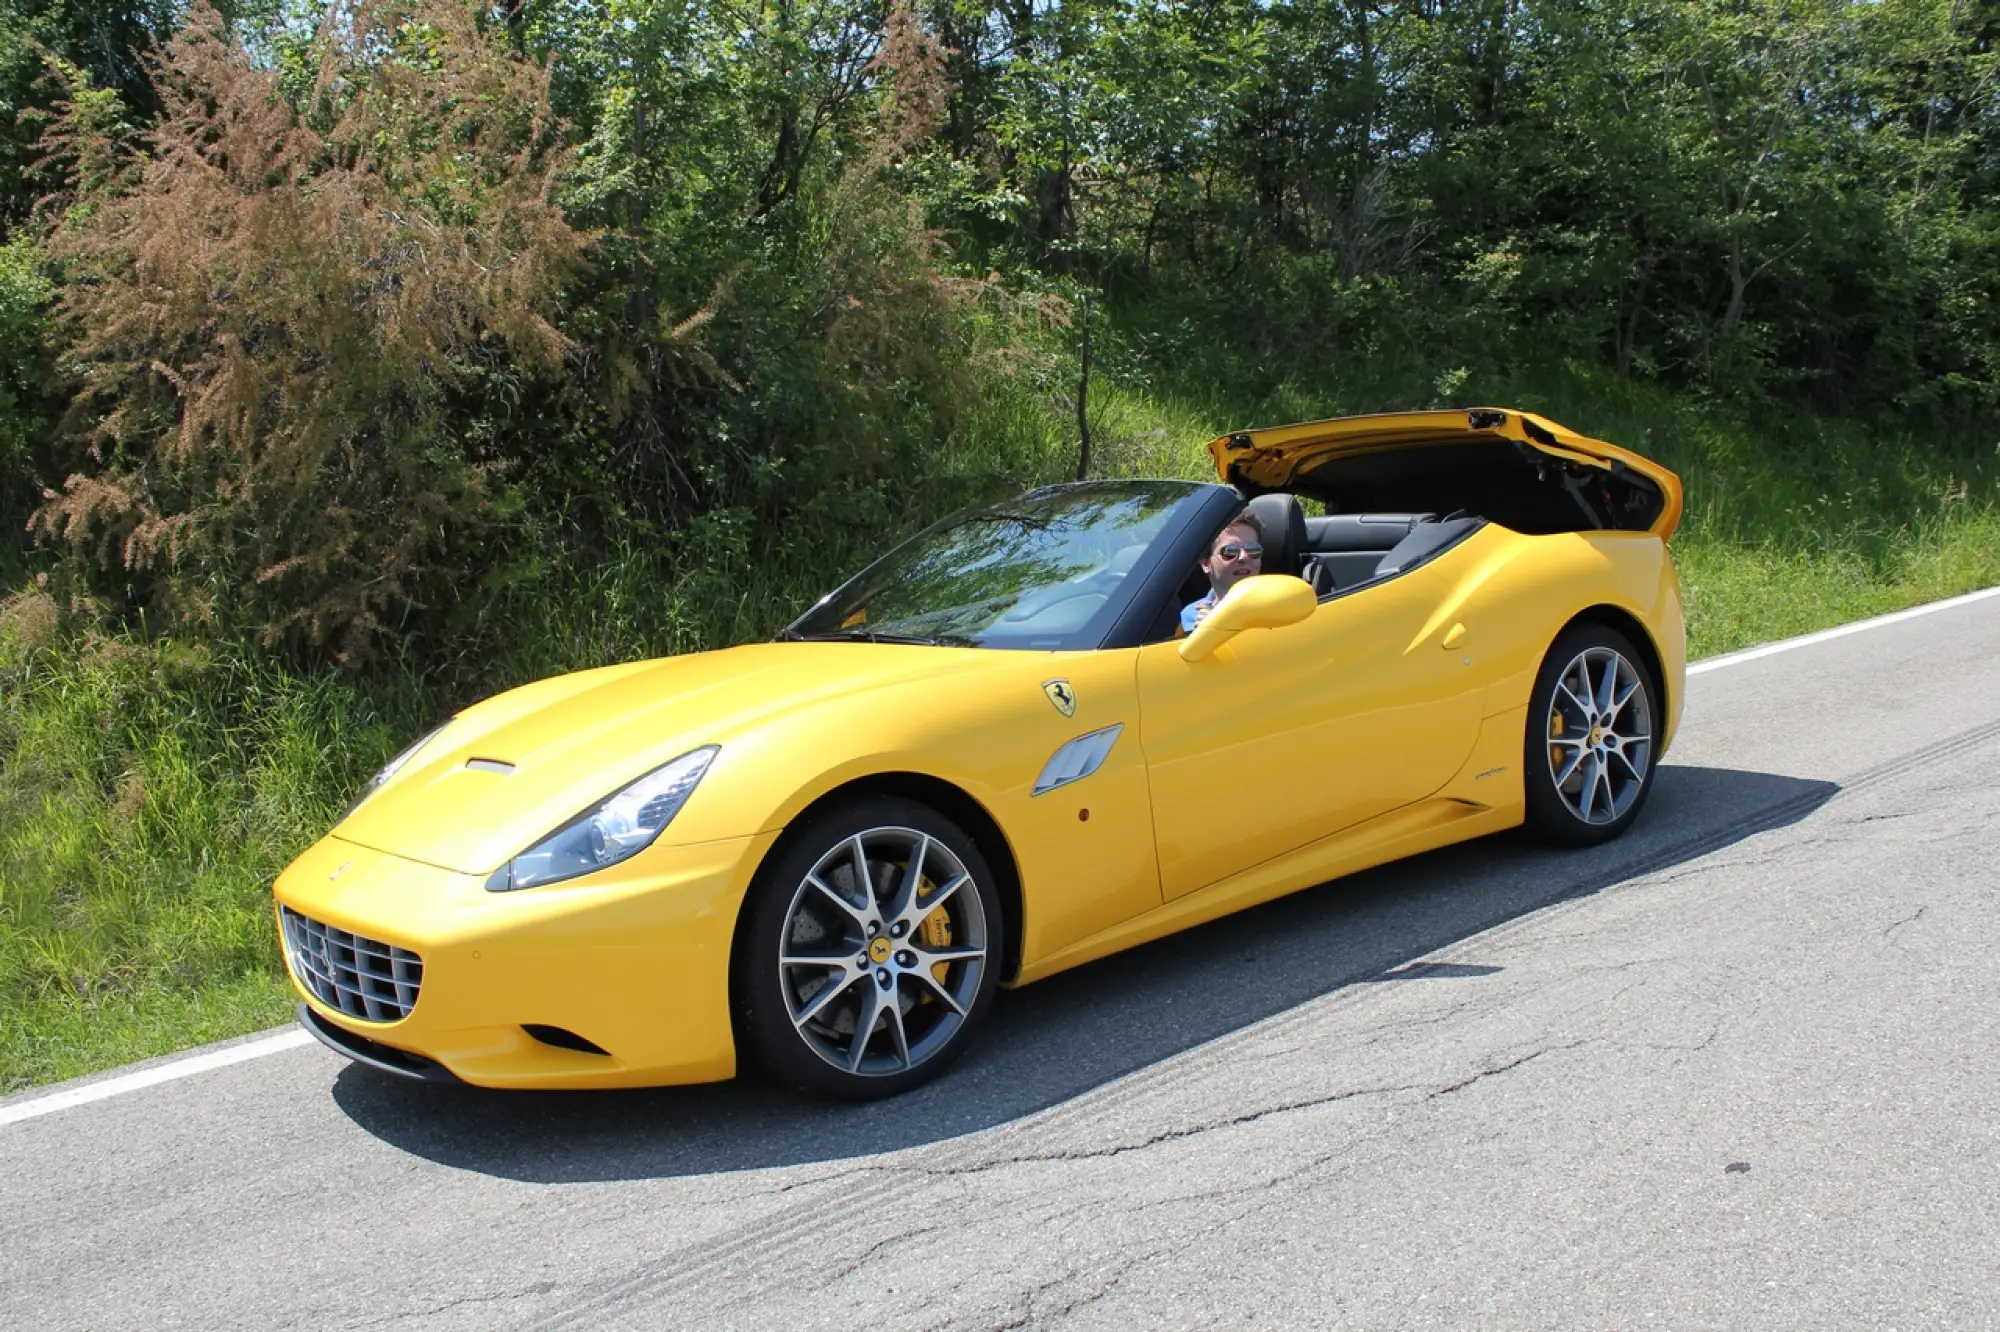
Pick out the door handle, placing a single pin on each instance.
(1454, 636)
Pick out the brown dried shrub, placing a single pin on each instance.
(29, 619)
(277, 317)
(131, 802)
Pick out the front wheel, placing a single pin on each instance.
(869, 950)
(1592, 726)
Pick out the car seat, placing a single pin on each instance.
(1284, 523)
(1343, 549)
(1424, 541)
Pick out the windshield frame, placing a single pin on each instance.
(1128, 603)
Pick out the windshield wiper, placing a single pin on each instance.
(1026, 520)
(873, 636)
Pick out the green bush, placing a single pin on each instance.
(25, 382)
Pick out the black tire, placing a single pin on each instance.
(1607, 772)
(875, 956)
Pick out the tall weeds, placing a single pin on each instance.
(149, 792)
(270, 310)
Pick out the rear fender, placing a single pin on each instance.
(1515, 593)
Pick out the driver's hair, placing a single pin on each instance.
(1245, 517)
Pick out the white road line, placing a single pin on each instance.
(1839, 631)
(279, 1042)
(154, 1076)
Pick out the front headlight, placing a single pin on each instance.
(616, 828)
(390, 769)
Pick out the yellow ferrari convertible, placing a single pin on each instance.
(995, 753)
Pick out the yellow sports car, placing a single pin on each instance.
(1030, 736)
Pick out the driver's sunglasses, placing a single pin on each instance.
(1235, 551)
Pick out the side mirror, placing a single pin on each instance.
(1263, 601)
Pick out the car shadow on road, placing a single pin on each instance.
(1060, 1038)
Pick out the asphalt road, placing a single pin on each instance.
(1740, 1069)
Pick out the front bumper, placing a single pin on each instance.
(386, 1058)
(634, 961)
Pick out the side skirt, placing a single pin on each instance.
(1425, 826)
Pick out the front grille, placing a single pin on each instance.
(376, 982)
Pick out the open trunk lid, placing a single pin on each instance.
(1453, 459)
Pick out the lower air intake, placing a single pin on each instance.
(375, 982)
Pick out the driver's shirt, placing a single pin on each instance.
(1192, 611)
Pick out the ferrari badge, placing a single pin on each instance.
(1062, 696)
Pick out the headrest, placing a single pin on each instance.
(1284, 524)
(1360, 531)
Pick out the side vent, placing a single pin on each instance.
(1077, 759)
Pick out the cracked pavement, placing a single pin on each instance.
(1739, 1069)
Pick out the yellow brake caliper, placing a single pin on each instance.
(936, 933)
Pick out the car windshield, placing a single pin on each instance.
(1041, 571)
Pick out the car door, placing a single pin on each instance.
(1289, 735)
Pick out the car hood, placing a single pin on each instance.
(512, 769)
(1269, 459)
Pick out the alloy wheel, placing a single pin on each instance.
(1600, 735)
(883, 950)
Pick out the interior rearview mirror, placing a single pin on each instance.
(1264, 601)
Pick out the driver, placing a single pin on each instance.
(1236, 553)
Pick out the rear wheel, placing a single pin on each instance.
(1592, 731)
(869, 951)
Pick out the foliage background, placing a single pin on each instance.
(357, 359)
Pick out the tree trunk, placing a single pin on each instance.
(1626, 339)
(1083, 397)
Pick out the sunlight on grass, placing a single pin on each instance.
(49, 1039)
(149, 796)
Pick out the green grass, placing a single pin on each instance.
(149, 793)
(150, 790)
